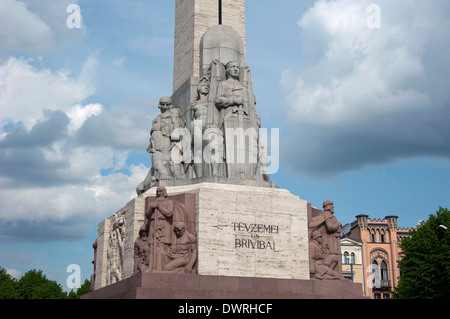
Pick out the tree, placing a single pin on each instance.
(8, 286)
(84, 289)
(35, 285)
(426, 264)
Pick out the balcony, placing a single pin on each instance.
(382, 284)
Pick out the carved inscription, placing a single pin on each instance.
(261, 235)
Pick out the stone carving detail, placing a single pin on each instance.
(167, 240)
(198, 116)
(182, 254)
(116, 249)
(141, 252)
(94, 262)
(162, 142)
(324, 243)
(215, 138)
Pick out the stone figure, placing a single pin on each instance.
(199, 109)
(167, 240)
(141, 252)
(219, 139)
(162, 141)
(237, 119)
(116, 249)
(182, 254)
(333, 228)
(322, 265)
(160, 217)
(326, 224)
(94, 262)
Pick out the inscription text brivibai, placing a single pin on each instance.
(255, 231)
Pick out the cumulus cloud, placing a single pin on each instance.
(124, 127)
(21, 28)
(34, 26)
(26, 90)
(54, 148)
(14, 273)
(372, 95)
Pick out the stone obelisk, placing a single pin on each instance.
(192, 19)
(218, 229)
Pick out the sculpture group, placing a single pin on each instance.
(217, 137)
(324, 244)
(166, 241)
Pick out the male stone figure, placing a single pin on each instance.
(182, 254)
(160, 219)
(333, 229)
(141, 252)
(322, 265)
(330, 229)
(199, 109)
(162, 140)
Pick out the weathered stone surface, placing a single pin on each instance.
(178, 286)
(252, 231)
(241, 231)
(134, 217)
(193, 18)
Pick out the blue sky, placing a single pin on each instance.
(363, 112)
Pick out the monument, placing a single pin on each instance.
(207, 221)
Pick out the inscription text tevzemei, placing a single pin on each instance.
(255, 231)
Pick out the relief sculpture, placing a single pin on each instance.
(116, 249)
(167, 241)
(324, 243)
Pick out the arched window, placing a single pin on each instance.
(384, 271)
(345, 257)
(375, 274)
(372, 237)
(352, 258)
(382, 237)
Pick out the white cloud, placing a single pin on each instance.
(52, 158)
(25, 90)
(78, 114)
(35, 26)
(14, 273)
(372, 95)
(22, 29)
(118, 62)
(97, 198)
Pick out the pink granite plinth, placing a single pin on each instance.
(180, 286)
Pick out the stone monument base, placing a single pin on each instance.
(180, 286)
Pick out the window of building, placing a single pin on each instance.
(372, 237)
(382, 238)
(352, 258)
(375, 272)
(346, 258)
(384, 272)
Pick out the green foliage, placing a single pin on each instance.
(35, 285)
(426, 265)
(7, 286)
(84, 289)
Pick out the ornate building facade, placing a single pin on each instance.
(352, 260)
(380, 252)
